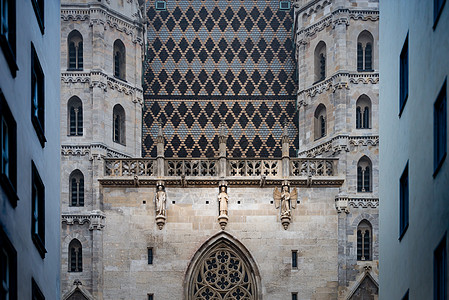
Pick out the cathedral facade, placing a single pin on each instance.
(219, 149)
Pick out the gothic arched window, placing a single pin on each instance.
(320, 61)
(363, 113)
(118, 125)
(119, 60)
(75, 256)
(75, 46)
(364, 240)
(75, 115)
(364, 175)
(76, 188)
(365, 51)
(222, 274)
(320, 121)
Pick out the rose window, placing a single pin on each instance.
(223, 275)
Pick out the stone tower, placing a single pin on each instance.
(101, 106)
(338, 98)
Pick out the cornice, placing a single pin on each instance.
(343, 203)
(99, 79)
(340, 143)
(95, 219)
(94, 151)
(336, 17)
(339, 80)
(99, 14)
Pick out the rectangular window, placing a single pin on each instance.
(38, 211)
(439, 129)
(161, 5)
(440, 271)
(38, 6)
(150, 256)
(403, 79)
(284, 5)
(37, 97)
(150, 296)
(294, 259)
(8, 268)
(403, 202)
(437, 9)
(8, 161)
(294, 296)
(36, 292)
(405, 296)
(8, 33)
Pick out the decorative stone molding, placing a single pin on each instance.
(342, 203)
(95, 219)
(75, 77)
(81, 150)
(106, 18)
(339, 80)
(337, 17)
(334, 146)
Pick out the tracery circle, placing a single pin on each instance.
(223, 275)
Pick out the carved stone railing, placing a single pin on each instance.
(313, 167)
(191, 167)
(255, 167)
(130, 167)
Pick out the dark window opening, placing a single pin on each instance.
(284, 5)
(294, 259)
(403, 202)
(8, 144)
(150, 256)
(38, 212)
(161, 5)
(36, 292)
(403, 77)
(37, 97)
(76, 256)
(8, 33)
(118, 127)
(38, 6)
(8, 268)
(119, 60)
(440, 271)
(75, 44)
(440, 129)
(76, 188)
(438, 6)
(75, 114)
(364, 237)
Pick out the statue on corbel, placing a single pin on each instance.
(286, 201)
(223, 205)
(160, 200)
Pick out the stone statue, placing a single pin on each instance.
(223, 200)
(161, 201)
(285, 200)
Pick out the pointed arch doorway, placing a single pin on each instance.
(222, 269)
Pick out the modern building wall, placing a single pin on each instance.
(407, 261)
(15, 84)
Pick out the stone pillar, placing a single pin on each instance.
(285, 153)
(97, 263)
(222, 138)
(160, 152)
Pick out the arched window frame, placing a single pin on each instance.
(75, 117)
(119, 60)
(364, 241)
(75, 256)
(76, 187)
(364, 175)
(75, 51)
(118, 124)
(320, 62)
(320, 122)
(363, 113)
(365, 57)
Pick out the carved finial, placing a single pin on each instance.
(77, 282)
